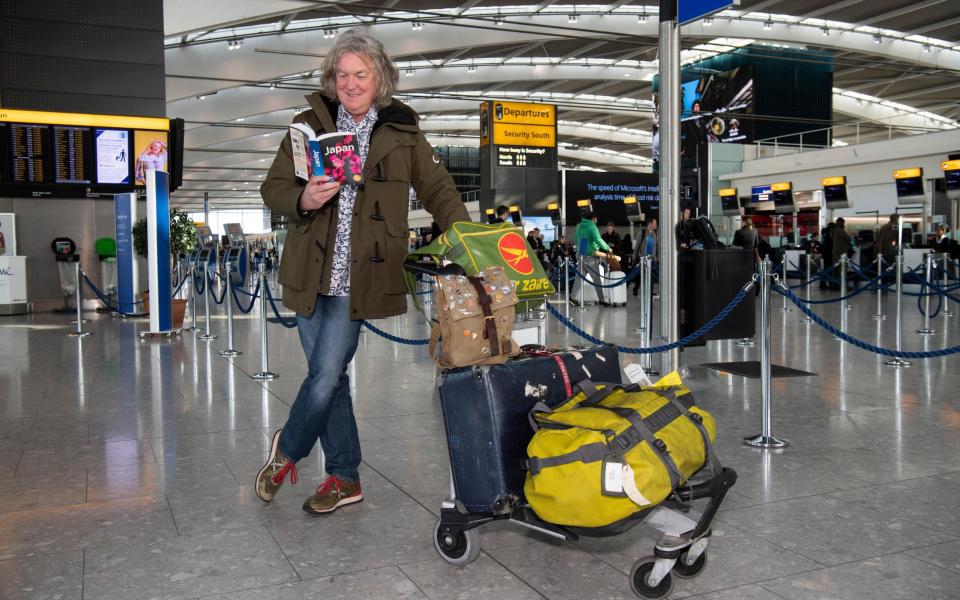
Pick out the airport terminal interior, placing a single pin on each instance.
(812, 155)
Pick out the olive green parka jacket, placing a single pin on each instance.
(399, 156)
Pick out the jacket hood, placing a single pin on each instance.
(396, 113)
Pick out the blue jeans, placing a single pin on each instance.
(323, 408)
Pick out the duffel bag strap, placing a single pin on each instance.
(489, 322)
(659, 446)
(698, 421)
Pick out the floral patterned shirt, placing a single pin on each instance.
(340, 272)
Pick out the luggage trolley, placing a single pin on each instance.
(485, 418)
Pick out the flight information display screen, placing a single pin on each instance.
(78, 155)
(71, 147)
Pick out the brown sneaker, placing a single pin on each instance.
(332, 494)
(271, 476)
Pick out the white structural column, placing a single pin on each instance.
(669, 177)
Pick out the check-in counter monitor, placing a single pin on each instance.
(491, 215)
(730, 202)
(951, 176)
(910, 186)
(516, 216)
(783, 201)
(835, 192)
(584, 207)
(631, 207)
(206, 249)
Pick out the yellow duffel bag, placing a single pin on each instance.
(611, 452)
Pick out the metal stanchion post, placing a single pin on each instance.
(566, 286)
(79, 333)
(208, 289)
(897, 361)
(193, 300)
(945, 281)
(582, 281)
(879, 316)
(647, 362)
(264, 374)
(644, 297)
(843, 282)
(765, 439)
(809, 285)
(230, 350)
(928, 272)
(784, 307)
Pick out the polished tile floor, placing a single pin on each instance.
(126, 471)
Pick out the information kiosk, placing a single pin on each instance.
(235, 257)
(65, 251)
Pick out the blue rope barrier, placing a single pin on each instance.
(98, 293)
(223, 295)
(253, 298)
(936, 312)
(183, 280)
(859, 343)
(665, 347)
(200, 287)
(393, 338)
(273, 305)
(621, 281)
(866, 287)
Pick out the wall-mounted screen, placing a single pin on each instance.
(951, 177)
(545, 224)
(113, 156)
(606, 193)
(761, 198)
(715, 108)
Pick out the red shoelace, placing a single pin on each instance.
(290, 467)
(331, 482)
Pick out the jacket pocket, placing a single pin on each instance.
(398, 239)
(294, 261)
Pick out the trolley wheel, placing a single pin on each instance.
(684, 571)
(457, 549)
(638, 580)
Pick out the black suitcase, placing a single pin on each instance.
(485, 414)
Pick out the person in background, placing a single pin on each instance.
(535, 239)
(341, 264)
(747, 238)
(594, 251)
(646, 246)
(842, 245)
(942, 243)
(611, 236)
(153, 158)
(560, 250)
(826, 252)
(501, 216)
(886, 243)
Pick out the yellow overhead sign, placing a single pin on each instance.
(630, 200)
(514, 208)
(489, 211)
(10, 115)
(524, 135)
(524, 113)
(908, 173)
(582, 203)
(553, 206)
(950, 165)
(780, 187)
(725, 192)
(828, 181)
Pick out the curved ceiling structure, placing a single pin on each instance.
(238, 70)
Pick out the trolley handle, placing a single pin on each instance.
(432, 269)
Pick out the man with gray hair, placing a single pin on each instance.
(343, 259)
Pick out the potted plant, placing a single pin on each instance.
(182, 239)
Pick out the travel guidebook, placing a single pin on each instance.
(332, 154)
